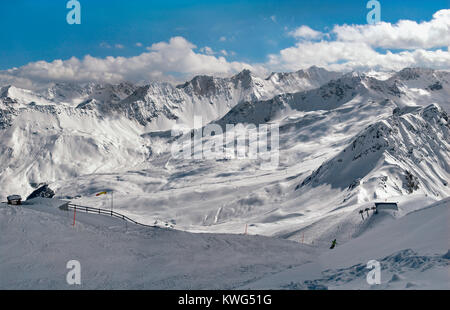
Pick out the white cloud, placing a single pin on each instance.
(305, 32)
(138, 44)
(346, 56)
(273, 18)
(364, 47)
(207, 50)
(222, 39)
(162, 60)
(358, 47)
(405, 34)
(104, 45)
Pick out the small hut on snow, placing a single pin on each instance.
(14, 200)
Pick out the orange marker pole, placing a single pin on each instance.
(74, 213)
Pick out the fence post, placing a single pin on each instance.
(74, 213)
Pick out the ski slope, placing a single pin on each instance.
(38, 239)
(414, 252)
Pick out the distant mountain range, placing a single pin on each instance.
(345, 139)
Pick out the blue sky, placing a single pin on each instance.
(37, 30)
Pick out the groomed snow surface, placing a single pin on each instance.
(38, 239)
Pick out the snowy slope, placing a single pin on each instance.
(413, 251)
(328, 97)
(37, 241)
(421, 86)
(18, 97)
(95, 140)
(48, 143)
(68, 130)
(345, 141)
(222, 196)
(374, 165)
(208, 194)
(161, 105)
(290, 82)
(77, 94)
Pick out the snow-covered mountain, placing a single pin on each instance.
(422, 86)
(74, 93)
(405, 153)
(159, 106)
(345, 141)
(84, 138)
(50, 142)
(328, 97)
(310, 78)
